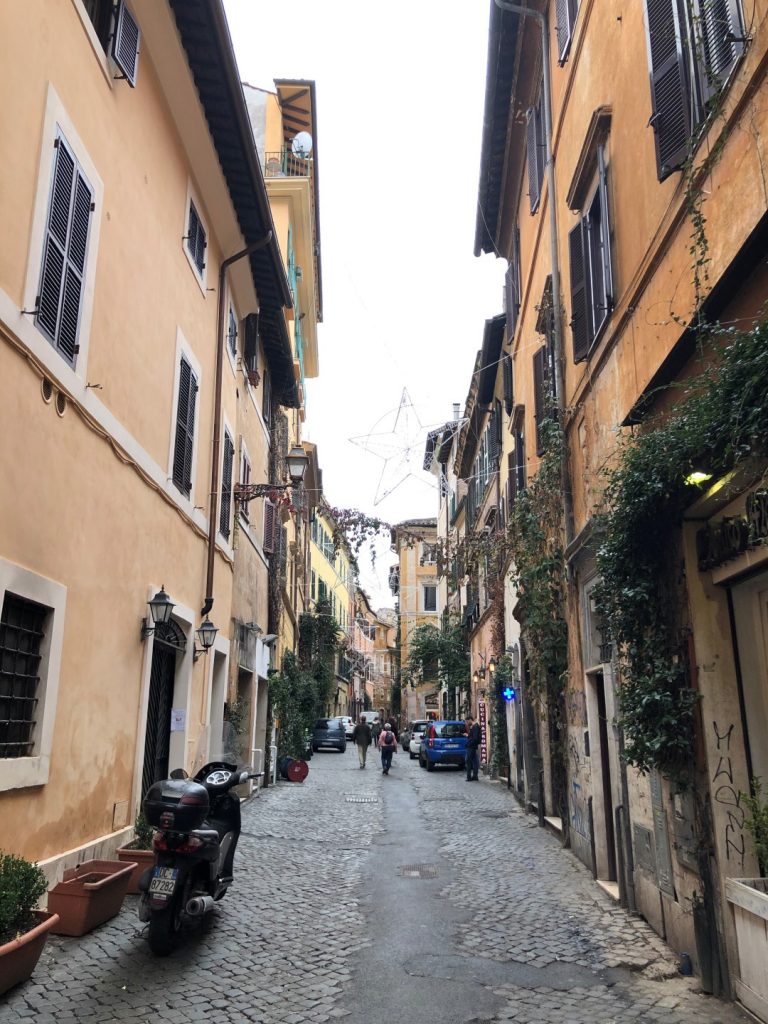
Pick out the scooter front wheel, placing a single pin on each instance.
(164, 927)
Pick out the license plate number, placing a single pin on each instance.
(451, 746)
(163, 881)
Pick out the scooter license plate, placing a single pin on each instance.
(163, 881)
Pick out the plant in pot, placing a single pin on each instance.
(23, 928)
(749, 900)
(139, 851)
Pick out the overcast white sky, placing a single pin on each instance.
(400, 90)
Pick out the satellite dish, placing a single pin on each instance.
(302, 145)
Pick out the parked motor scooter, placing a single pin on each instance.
(197, 823)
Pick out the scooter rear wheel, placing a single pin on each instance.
(164, 927)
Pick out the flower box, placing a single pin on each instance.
(18, 958)
(143, 859)
(749, 900)
(89, 894)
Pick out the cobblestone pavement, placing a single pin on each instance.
(294, 940)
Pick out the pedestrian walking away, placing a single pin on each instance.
(376, 731)
(474, 735)
(387, 746)
(361, 737)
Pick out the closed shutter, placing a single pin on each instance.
(251, 342)
(671, 117)
(185, 428)
(580, 319)
(511, 480)
(532, 141)
(540, 383)
(226, 486)
(196, 241)
(511, 295)
(520, 460)
(125, 44)
(494, 437)
(509, 384)
(64, 253)
(268, 542)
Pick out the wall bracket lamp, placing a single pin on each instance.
(206, 634)
(297, 461)
(160, 609)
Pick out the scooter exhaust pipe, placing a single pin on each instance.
(199, 905)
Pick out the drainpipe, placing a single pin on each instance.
(514, 8)
(216, 441)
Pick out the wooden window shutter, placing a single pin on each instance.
(269, 527)
(540, 377)
(520, 460)
(196, 241)
(511, 298)
(532, 142)
(720, 34)
(580, 318)
(185, 428)
(670, 95)
(565, 14)
(64, 253)
(511, 479)
(507, 370)
(125, 44)
(226, 486)
(251, 346)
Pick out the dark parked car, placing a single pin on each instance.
(445, 744)
(329, 732)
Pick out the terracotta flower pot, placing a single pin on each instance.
(142, 858)
(89, 894)
(18, 958)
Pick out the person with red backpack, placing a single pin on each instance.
(387, 746)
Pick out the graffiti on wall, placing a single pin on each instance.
(729, 798)
(579, 817)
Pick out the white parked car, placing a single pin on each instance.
(417, 733)
(349, 725)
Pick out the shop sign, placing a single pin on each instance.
(482, 716)
(719, 542)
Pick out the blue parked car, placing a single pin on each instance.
(446, 745)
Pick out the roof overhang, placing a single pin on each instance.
(502, 41)
(204, 33)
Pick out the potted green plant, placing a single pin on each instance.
(749, 901)
(23, 928)
(138, 851)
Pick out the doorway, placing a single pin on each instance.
(600, 712)
(168, 642)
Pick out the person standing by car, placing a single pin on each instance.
(387, 746)
(362, 739)
(474, 737)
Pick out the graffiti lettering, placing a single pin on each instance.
(728, 797)
(578, 817)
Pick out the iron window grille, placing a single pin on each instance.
(22, 630)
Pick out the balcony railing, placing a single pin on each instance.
(283, 164)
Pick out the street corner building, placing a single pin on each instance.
(160, 293)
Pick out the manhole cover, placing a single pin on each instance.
(418, 870)
(358, 799)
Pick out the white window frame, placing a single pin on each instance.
(55, 119)
(183, 349)
(201, 278)
(21, 772)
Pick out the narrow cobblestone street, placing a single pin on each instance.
(411, 897)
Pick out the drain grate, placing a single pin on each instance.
(418, 870)
(356, 798)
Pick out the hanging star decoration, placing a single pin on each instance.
(401, 448)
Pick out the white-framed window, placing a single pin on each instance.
(195, 240)
(63, 244)
(232, 332)
(429, 597)
(245, 479)
(227, 465)
(31, 636)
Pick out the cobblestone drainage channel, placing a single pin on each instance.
(417, 870)
(355, 798)
(559, 976)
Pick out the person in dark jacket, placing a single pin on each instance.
(474, 737)
(361, 737)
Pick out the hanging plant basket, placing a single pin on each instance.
(89, 894)
(18, 958)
